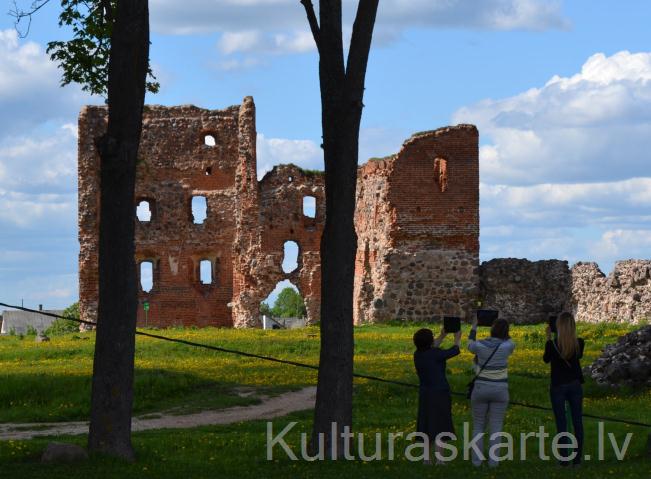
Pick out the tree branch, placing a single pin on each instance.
(19, 14)
(314, 24)
(360, 46)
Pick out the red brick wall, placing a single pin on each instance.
(173, 168)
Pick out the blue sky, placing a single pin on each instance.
(560, 91)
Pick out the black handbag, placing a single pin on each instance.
(471, 384)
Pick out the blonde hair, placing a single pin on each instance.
(568, 344)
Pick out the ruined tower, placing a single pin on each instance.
(417, 220)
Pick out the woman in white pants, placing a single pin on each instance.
(490, 396)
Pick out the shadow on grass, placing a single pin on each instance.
(49, 397)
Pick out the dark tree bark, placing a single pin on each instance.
(112, 391)
(342, 93)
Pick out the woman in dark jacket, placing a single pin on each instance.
(564, 353)
(434, 399)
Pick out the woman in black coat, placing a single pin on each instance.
(564, 353)
(434, 398)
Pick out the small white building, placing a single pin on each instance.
(20, 321)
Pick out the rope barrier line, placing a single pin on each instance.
(310, 366)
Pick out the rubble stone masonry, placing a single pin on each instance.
(417, 221)
(529, 291)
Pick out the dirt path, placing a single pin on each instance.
(269, 408)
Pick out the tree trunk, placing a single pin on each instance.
(342, 92)
(338, 248)
(112, 389)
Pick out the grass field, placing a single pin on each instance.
(51, 382)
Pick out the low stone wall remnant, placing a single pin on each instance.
(529, 291)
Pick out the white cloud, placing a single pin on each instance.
(564, 167)
(259, 27)
(623, 244)
(37, 211)
(275, 151)
(38, 200)
(38, 139)
(600, 222)
(255, 41)
(231, 42)
(200, 16)
(565, 221)
(44, 161)
(592, 126)
(29, 87)
(485, 15)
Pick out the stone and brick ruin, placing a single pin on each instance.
(529, 291)
(417, 221)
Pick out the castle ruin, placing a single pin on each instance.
(417, 222)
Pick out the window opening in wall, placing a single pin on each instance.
(441, 172)
(309, 206)
(290, 258)
(209, 171)
(205, 271)
(146, 276)
(199, 209)
(284, 302)
(209, 140)
(290, 179)
(143, 211)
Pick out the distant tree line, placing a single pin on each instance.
(288, 304)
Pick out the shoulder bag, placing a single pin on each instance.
(471, 384)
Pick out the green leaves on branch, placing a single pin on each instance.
(83, 59)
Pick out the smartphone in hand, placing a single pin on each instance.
(486, 317)
(451, 324)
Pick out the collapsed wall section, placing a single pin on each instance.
(281, 217)
(527, 292)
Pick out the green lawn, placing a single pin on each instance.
(51, 381)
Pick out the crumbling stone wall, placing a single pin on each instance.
(623, 296)
(244, 232)
(528, 292)
(417, 222)
(525, 292)
(281, 218)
